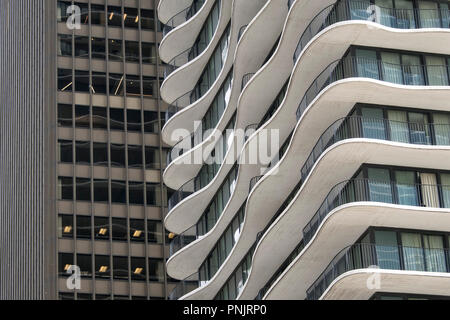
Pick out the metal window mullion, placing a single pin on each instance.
(161, 171)
(111, 260)
(144, 167)
(74, 152)
(125, 116)
(91, 148)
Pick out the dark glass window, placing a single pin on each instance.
(101, 191)
(82, 81)
(116, 84)
(138, 269)
(151, 122)
(101, 228)
(65, 115)
(119, 229)
(151, 158)
(136, 193)
(147, 19)
(118, 192)
(100, 154)
(84, 261)
(84, 227)
(114, 16)
(117, 155)
(154, 231)
(133, 85)
(82, 117)
(102, 267)
(62, 10)
(83, 152)
(120, 265)
(131, 18)
(98, 82)
(65, 226)
(148, 86)
(156, 270)
(115, 50)
(116, 119)
(65, 45)
(134, 122)
(98, 48)
(134, 156)
(65, 188)
(99, 118)
(65, 260)
(83, 189)
(148, 53)
(132, 51)
(65, 151)
(137, 230)
(97, 14)
(64, 80)
(81, 47)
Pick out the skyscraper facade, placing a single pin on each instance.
(82, 198)
(352, 200)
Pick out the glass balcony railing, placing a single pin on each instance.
(346, 10)
(182, 16)
(185, 286)
(379, 129)
(182, 240)
(354, 67)
(367, 190)
(366, 255)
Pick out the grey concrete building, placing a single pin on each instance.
(81, 158)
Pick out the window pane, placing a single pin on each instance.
(406, 188)
(412, 251)
(387, 250)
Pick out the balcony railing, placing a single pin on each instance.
(253, 182)
(346, 10)
(241, 31)
(185, 286)
(182, 16)
(349, 67)
(182, 240)
(365, 255)
(379, 129)
(178, 105)
(367, 190)
(185, 191)
(245, 79)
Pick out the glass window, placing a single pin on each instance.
(83, 189)
(412, 251)
(154, 231)
(445, 181)
(115, 50)
(136, 193)
(419, 127)
(114, 16)
(84, 261)
(135, 156)
(64, 45)
(119, 229)
(98, 14)
(102, 267)
(406, 188)
(84, 227)
(138, 269)
(412, 70)
(429, 14)
(65, 80)
(98, 48)
(148, 53)
(100, 153)
(65, 115)
(101, 191)
(117, 155)
(367, 63)
(132, 51)
(441, 125)
(120, 265)
(81, 47)
(373, 123)
(156, 270)
(65, 261)
(65, 154)
(131, 18)
(147, 19)
(101, 228)
(429, 190)
(436, 71)
(65, 226)
(387, 250)
(398, 125)
(391, 67)
(434, 253)
(379, 185)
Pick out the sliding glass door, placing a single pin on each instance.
(436, 71)
(373, 123)
(380, 189)
(398, 125)
(434, 253)
(445, 183)
(406, 188)
(429, 14)
(412, 251)
(429, 190)
(367, 64)
(387, 250)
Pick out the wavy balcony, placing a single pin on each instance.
(179, 35)
(351, 261)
